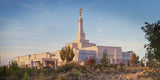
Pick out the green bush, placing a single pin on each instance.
(26, 76)
(17, 75)
(70, 76)
(80, 68)
(3, 73)
(65, 68)
(98, 66)
(13, 67)
(47, 71)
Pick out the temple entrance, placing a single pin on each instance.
(49, 63)
(44, 63)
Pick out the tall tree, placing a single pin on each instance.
(104, 59)
(152, 34)
(67, 54)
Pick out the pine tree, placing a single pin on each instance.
(104, 59)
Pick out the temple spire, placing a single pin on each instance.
(80, 34)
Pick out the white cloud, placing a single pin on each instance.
(99, 30)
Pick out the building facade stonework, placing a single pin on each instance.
(82, 49)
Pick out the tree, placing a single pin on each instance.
(67, 54)
(3, 73)
(134, 59)
(152, 34)
(152, 56)
(104, 59)
(13, 67)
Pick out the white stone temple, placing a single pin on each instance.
(82, 49)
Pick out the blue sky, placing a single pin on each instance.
(31, 27)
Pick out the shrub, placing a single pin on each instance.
(70, 76)
(110, 65)
(97, 66)
(26, 76)
(74, 70)
(90, 61)
(121, 64)
(66, 67)
(113, 71)
(128, 63)
(97, 70)
(115, 66)
(134, 71)
(80, 67)
(107, 71)
(13, 67)
(17, 75)
(128, 70)
(121, 69)
(47, 71)
(3, 73)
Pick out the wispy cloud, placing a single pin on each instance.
(64, 1)
(39, 6)
(97, 2)
(33, 7)
(7, 20)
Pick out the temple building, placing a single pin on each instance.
(126, 56)
(82, 49)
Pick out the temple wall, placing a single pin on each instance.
(116, 52)
(26, 60)
(85, 54)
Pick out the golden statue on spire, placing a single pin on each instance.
(80, 10)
